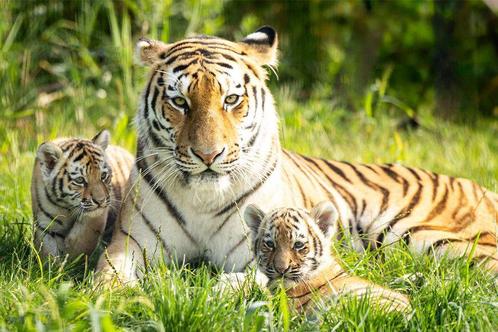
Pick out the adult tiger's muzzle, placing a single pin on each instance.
(208, 157)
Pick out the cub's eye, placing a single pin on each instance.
(179, 102)
(232, 99)
(298, 245)
(104, 175)
(269, 243)
(79, 180)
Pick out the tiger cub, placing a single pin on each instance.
(76, 192)
(295, 245)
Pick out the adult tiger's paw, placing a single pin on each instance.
(236, 282)
(109, 279)
(110, 274)
(231, 282)
(240, 282)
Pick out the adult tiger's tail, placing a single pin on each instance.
(482, 245)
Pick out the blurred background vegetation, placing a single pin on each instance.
(396, 57)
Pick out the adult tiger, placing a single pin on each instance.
(208, 144)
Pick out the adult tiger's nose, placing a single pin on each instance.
(209, 157)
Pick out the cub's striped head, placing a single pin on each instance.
(206, 103)
(75, 173)
(291, 243)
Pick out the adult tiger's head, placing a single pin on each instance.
(292, 243)
(75, 173)
(206, 105)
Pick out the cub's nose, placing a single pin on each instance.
(209, 157)
(282, 269)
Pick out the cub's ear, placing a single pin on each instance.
(149, 52)
(253, 217)
(261, 45)
(102, 139)
(326, 215)
(48, 155)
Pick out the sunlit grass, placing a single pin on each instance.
(447, 295)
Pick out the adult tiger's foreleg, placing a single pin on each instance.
(120, 262)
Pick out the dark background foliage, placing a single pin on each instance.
(441, 55)
(441, 52)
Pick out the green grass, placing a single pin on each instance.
(447, 295)
(52, 83)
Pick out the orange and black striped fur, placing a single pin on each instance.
(383, 204)
(76, 189)
(208, 145)
(293, 245)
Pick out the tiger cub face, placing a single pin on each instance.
(202, 108)
(76, 175)
(292, 243)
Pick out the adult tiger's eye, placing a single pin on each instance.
(180, 102)
(104, 176)
(79, 180)
(231, 100)
(298, 245)
(269, 243)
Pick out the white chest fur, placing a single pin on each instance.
(204, 225)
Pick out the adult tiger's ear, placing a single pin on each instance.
(149, 52)
(261, 45)
(48, 155)
(253, 216)
(326, 215)
(102, 139)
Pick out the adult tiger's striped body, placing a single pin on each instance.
(293, 245)
(382, 204)
(208, 144)
(76, 192)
